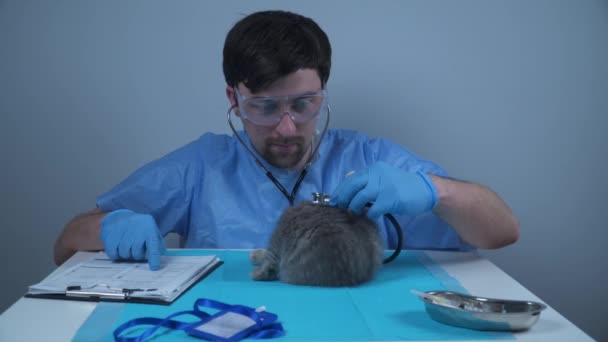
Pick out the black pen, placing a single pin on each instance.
(129, 291)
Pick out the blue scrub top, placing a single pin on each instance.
(212, 193)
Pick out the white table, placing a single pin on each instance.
(57, 320)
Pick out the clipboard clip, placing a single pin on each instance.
(91, 294)
(116, 293)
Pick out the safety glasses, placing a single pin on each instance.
(269, 110)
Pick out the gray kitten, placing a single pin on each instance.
(321, 246)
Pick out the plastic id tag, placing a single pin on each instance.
(229, 326)
(230, 323)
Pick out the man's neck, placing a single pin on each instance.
(306, 158)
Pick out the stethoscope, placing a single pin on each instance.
(291, 196)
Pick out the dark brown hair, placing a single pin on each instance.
(265, 46)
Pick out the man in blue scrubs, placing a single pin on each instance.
(220, 191)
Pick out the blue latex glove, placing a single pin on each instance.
(388, 189)
(129, 235)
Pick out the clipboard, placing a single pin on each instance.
(98, 278)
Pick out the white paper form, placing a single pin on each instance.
(101, 274)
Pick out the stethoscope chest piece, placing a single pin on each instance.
(319, 198)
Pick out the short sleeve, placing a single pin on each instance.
(389, 152)
(162, 188)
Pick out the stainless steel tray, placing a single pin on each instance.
(481, 313)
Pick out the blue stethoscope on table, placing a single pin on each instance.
(325, 198)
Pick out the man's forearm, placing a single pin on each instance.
(479, 216)
(80, 234)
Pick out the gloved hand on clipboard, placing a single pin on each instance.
(131, 236)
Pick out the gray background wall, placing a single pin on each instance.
(512, 94)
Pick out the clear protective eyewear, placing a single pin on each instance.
(269, 110)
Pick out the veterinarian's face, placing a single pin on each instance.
(285, 144)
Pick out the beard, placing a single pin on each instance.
(285, 153)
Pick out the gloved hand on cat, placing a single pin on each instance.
(129, 235)
(388, 189)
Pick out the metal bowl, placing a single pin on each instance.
(481, 313)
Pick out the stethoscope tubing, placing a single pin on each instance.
(294, 190)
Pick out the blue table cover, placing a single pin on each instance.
(381, 310)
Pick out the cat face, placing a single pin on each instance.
(320, 246)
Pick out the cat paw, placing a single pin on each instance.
(264, 272)
(258, 274)
(257, 256)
